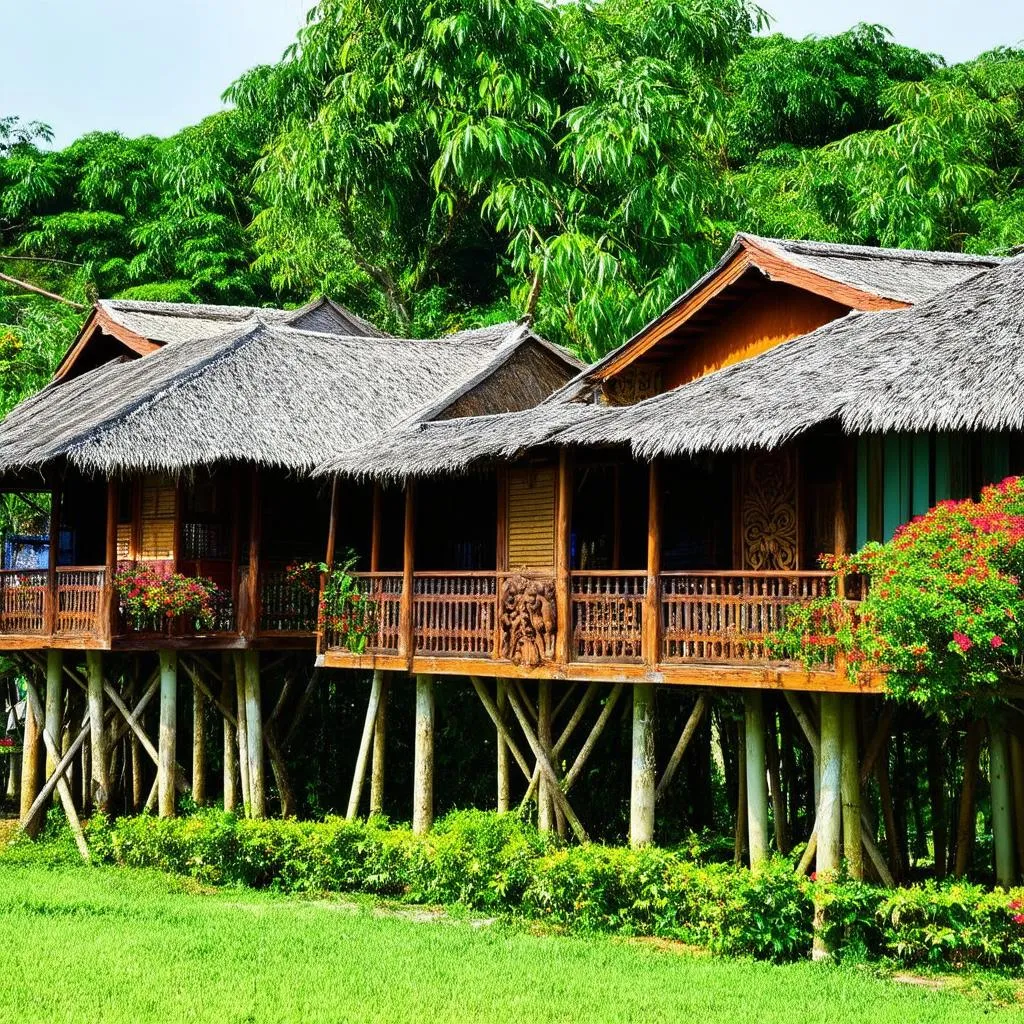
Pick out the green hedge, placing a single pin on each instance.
(501, 864)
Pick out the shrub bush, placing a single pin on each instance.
(502, 864)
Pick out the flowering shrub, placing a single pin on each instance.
(943, 613)
(346, 614)
(148, 597)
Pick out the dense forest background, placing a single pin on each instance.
(439, 165)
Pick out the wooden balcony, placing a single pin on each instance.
(696, 628)
(77, 610)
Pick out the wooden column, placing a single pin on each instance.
(545, 798)
(54, 701)
(332, 535)
(252, 625)
(254, 734)
(1002, 812)
(966, 814)
(503, 776)
(563, 559)
(227, 698)
(641, 789)
(100, 789)
(757, 777)
(31, 766)
(198, 746)
(423, 766)
(375, 530)
(377, 769)
(405, 639)
(109, 595)
(53, 554)
(168, 747)
(617, 516)
(850, 790)
(652, 601)
(830, 802)
(365, 744)
(840, 543)
(243, 732)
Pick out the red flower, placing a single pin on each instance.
(996, 641)
(1018, 918)
(962, 641)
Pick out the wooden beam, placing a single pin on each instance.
(365, 742)
(545, 799)
(252, 626)
(651, 639)
(563, 560)
(109, 603)
(53, 554)
(499, 724)
(230, 770)
(375, 527)
(406, 646)
(578, 765)
(377, 768)
(242, 732)
(198, 745)
(680, 748)
(98, 736)
(54, 699)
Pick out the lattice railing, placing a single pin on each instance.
(287, 605)
(79, 609)
(23, 595)
(725, 616)
(453, 614)
(607, 615)
(383, 590)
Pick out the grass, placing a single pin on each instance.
(116, 945)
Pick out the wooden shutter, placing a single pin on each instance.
(531, 518)
(158, 508)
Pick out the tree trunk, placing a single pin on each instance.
(1002, 811)
(377, 770)
(757, 777)
(965, 824)
(227, 698)
(254, 734)
(423, 766)
(850, 789)
(168, 747)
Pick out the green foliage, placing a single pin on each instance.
(150, 598)
(944, 610)
(501, 864)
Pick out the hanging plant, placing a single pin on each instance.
(149, 598)
(347, 615)
(944, 610)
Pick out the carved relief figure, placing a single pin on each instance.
(528, 623)
(770, 536)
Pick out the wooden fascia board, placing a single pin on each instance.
(102, 322)
(778, 269)
(730, 273)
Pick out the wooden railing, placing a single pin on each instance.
(725, 616)
(607, 615)
(23, 599)
(383, 590)
(80, 605)
(286, 605)
(454, 614)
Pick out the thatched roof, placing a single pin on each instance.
(953, 362)
(261, 392)
(860, 277)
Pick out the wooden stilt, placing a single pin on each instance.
(54, 699)
(136, 755)
(423, 766)
(740, 840)
(545, 799)
(227, 697)
(1002, 812)
(1017, 766)
(757, 778)
(198, 746)
(775, 791)
(254, 734)
(97, 738)
(363, 757)
(377, 769)
(576, 769)
(965, 825)
(829, 807)
(680, 749)
(503, 766)
(850, 790)
(641, 803)
(168, 748)
(242, 732)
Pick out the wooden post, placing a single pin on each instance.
(31, 766)
(332, 533)
(53, 554)
(829, 816)
(254, 734)
(545, 799)
(243, 733)
(168, 747)
(252, 626)
(198, 746)
(423, 766)
(641, 800)
(1017, 765)
(375, 530)
(740, 842)
(1002, 815)
(109, 596)
(405, 639)
(363, 757)
(377, 769)
(757, 777)
(965, 824)
(54, 700)
(839, 540)
(503, 776)
(563, 563)
(937, 797)
(651, 641)
(97, 733)
(227, 698)
(850, 790)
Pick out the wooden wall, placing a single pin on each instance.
(531, 517)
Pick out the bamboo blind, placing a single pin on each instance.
(531, 518)
(158, 507)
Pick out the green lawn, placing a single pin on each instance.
(113, 945)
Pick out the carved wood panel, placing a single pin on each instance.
(528, 620)
(769, 528)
